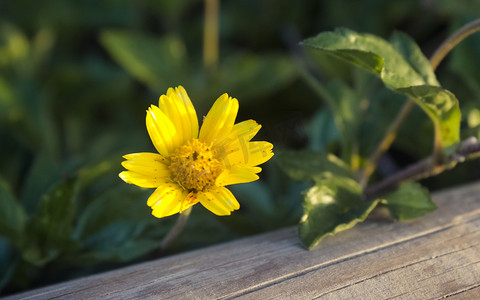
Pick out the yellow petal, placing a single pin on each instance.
(220, 119)
(192, 115)
(237, 175)
(245, 130)
(145, 156)
(166, 200)
(162, 131)
(141, 180)
(260, 152)
(219, 200)
(147, 164)
(239, 137)
(176, 105)
(256, 170)
(237, 140)
(250, 154)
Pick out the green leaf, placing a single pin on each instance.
(51, 226)
(12, 215)
(120, 241)
(443, 109)
(117, 226)
(410, 51)
(118, 203)
(159, 63)
(409, 201)
(402, 69)
(306, 164)
(332, 205)
(322, 130)
(368, 52)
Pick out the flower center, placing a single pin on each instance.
(194, 166)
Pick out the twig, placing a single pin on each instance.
(467, 149)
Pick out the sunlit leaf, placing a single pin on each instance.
(368, 52)
(332, 205)
(442, 107)
(410, 51)
(397, 72)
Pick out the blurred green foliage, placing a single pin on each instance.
(77, 76)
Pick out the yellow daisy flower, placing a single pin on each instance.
(193, 166)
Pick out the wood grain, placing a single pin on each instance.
(437, 256)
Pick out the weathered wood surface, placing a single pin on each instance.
(437, 256)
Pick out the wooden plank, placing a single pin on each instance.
(433, 257)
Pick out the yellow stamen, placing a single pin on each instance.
(195, 166)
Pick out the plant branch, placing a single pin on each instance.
(467, 149)
(392, 131)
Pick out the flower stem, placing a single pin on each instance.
(176, 230)
(210, 34)
(392, 131)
